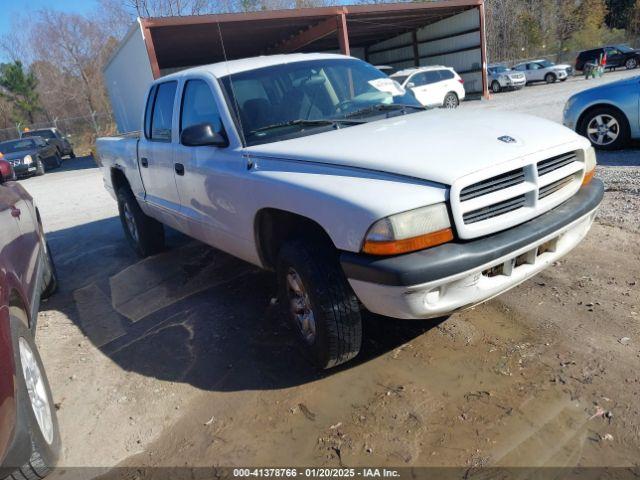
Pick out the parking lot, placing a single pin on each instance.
(183, 358)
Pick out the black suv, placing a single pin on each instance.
(53, 137)
(617, 56)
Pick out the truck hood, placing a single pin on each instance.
(437, 145)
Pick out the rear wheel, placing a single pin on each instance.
(319, 303)
(451, 100)
(550, 78)
(35, 403)
(495, 86)
(144, 234)
(606, 128)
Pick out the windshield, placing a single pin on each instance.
(400, 78)
(546, 63)
(16, 146)
(625, 48)
(498, 69)
(39, 133)
(302, 98)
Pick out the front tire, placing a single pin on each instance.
(50, 283)
(606, 128)
(72, 154)
(39, 167)
(451, 101)
(144, 234)
(550, 78)
(35, 403)
(631, 63)
(319, 303)
(495, 86)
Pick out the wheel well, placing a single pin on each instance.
(580, 124)
(273, 227)
(118, 179)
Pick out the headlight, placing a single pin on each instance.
(590, 163)
(27, 160)
(409, 231)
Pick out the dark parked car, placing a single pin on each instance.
(29, 435)
(617, 56)
(30, 156)
(54, 137)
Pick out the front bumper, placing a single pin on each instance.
(443, 279)
(23, 170)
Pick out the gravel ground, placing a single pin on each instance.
(183, 359)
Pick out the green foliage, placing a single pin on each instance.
(19, 88)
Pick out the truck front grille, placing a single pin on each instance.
(494, 210)
(489, 185)
(554, 163)
(554, 187)
(488, 205)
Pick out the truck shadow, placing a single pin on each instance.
(191, 314)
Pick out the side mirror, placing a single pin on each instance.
(201, 135)
(410, 85)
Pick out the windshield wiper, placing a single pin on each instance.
(311, 123)
(384, 107)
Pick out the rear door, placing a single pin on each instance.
(157, 148)
(535, 72)
(426, 89)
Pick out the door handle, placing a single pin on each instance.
(144, 162)
(179, 168)
(15, 212)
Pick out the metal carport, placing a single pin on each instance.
(447, 32)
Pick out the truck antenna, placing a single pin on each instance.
(233, 90)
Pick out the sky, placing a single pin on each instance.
(11, 8)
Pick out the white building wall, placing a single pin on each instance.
(127, 77)
(460, 50)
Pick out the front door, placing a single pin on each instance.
(156, 149)
(201, 181)
(426, 88)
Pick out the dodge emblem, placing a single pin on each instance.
(507, 139)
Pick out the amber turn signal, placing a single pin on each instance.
(588, 177)
(408, 244)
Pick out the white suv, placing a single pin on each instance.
(433, 86)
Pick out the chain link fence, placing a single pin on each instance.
(81, 130)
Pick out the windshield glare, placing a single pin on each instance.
(311, 90)
(16, 146)
(546, 63)
(625, 48)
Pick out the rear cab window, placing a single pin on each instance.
(162, 113)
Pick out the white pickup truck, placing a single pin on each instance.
(321, 168)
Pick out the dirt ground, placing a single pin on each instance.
(182, 359)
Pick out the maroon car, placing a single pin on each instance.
(29, 436)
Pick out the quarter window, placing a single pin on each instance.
(163, 112)
(199, 106)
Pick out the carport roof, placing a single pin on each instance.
(175, 42)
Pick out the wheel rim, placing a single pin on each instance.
(36, 389)
(631, 63)
(603, 129)
(130, 221)
(450, 102)
(495, 87)
(300, 306)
